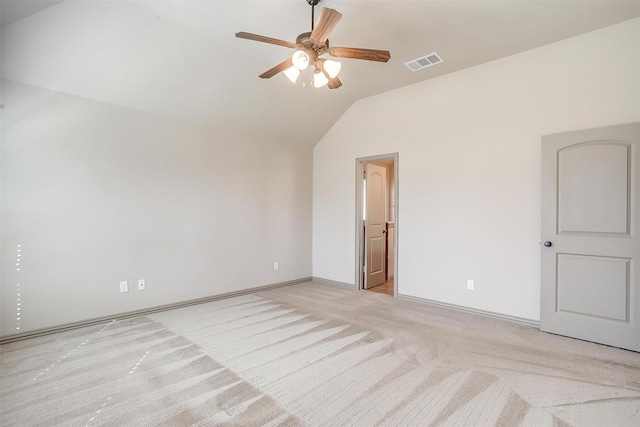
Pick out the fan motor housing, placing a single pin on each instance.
(305, 41)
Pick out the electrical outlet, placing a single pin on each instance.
(124, 286)
(276, 265)
(470, 285)
(141, 285)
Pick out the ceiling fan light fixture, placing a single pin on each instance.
(310, 46)
(332, 68)
(292, 74)
(300, 59)
(319, 79)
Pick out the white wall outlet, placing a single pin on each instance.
(470, 285)
(124, 286)
(276, 265)
(141, 284)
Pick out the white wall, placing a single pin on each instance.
(469, 166)
(96, 194)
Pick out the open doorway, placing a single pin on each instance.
(377, 223)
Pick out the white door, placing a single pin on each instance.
(375, 223)
(590, 282)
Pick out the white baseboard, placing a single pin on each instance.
(4, 339)
(333, 283)
(520, 320)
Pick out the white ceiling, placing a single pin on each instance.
(181, 58)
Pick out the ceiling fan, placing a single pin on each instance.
(311, 46)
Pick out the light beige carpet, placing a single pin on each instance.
(320, 356)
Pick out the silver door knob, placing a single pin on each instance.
(548, 244)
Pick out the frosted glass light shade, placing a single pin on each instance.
(292, 74)
(332, 67)
(300, 59)
(319, 79)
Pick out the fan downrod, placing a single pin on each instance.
(312, 3)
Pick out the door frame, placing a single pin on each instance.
(359, 270)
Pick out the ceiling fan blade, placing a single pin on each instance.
(278, 68)
(359, 53)
(334, 83)
(264, 39)
(326, 23)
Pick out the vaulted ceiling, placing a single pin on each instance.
(181, 58)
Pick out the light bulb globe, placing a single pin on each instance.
(300, 59)
(332, 67)
(292, 74)
(319, 79)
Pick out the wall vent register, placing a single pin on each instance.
(424, 62)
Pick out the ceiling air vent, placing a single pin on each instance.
(424, 62)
